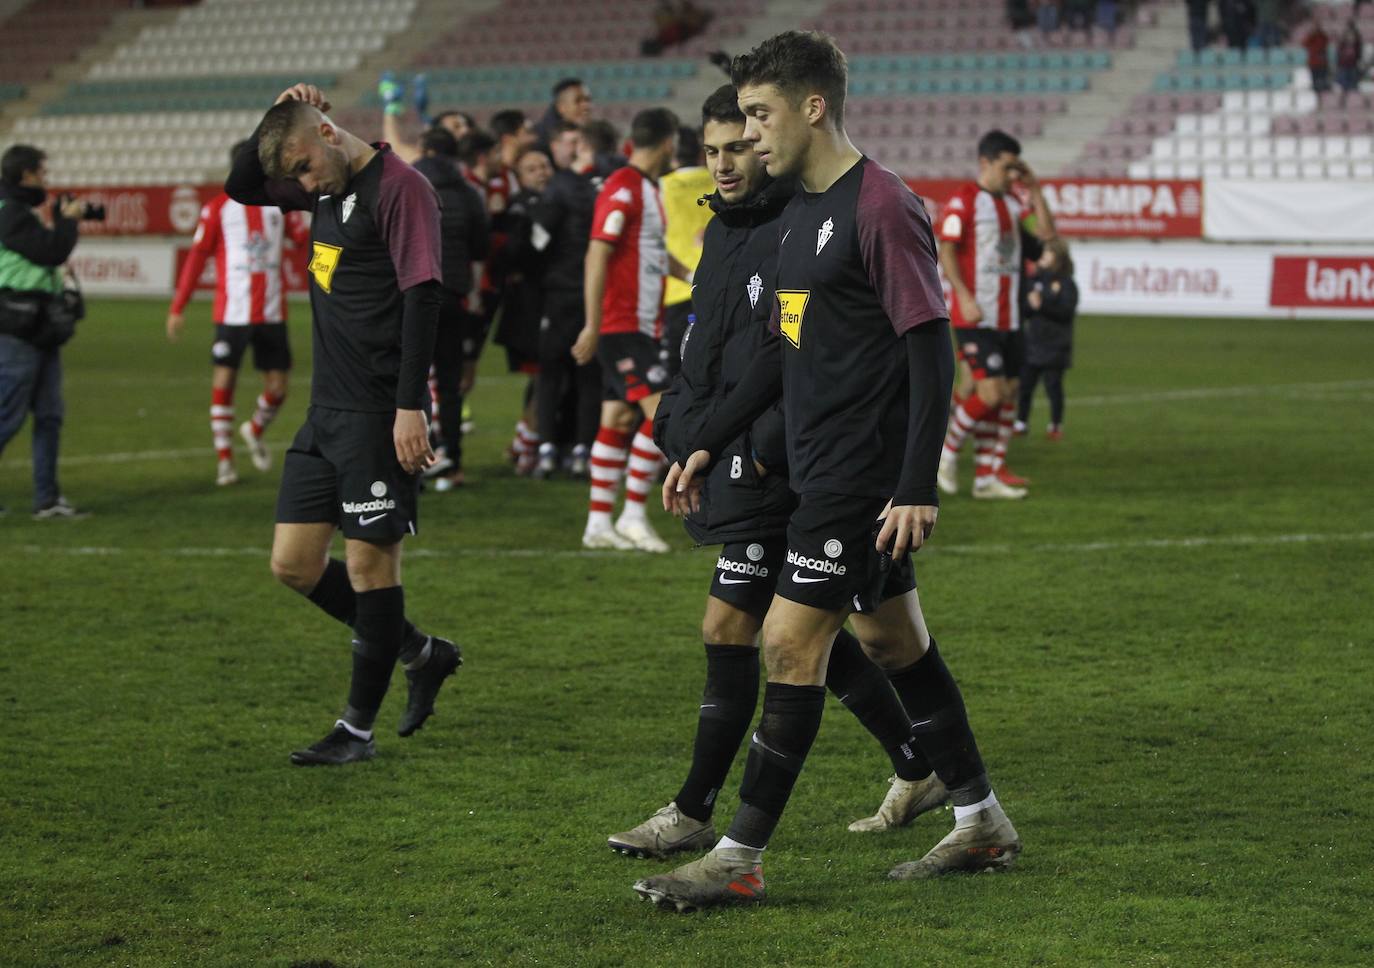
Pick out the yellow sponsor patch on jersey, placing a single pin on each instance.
(324, 259)
(791, 312)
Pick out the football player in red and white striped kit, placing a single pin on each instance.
(627, 260)
(250, 308)
(985, 234)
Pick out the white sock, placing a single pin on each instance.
(360, 733)
(961, 812)
(726, 843)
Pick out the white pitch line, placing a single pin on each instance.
(1102, 400)
(1081, 547)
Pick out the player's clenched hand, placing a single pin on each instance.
(175, 322)
(584, 349)
(411, 434)
(910, 525)
(308, 93)
(682, 486)
(969, 308)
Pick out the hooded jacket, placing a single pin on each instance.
(462, 221)
(731, 299)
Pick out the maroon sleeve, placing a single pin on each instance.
(897, 245)
(408, 220)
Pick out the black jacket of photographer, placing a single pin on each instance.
(732, 296)
(31, 257)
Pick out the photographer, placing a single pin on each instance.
(35, 319)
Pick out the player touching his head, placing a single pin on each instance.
(865, 378)
(375, 294)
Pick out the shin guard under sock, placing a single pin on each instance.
(868, 694)
(932, 699)
(727, 708)
(791, 718)
(380, 632)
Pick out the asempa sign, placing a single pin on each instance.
(1336, 282)
(1103, 207)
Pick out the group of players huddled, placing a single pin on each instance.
(805, 408)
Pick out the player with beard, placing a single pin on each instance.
(865, 378)
(745, 506)
(375, 297)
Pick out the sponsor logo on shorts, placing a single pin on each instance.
(365, 521)
(379, 488)
(833, 548)
(815, 564)
(799, 579)
(740, 568)
(220, 350)
(994, 361)
(657, 374)
(354, 507)
(626, 365)
(754, 552)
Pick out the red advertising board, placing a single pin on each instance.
(1319, 281)
(1104, 207)
(145, 209)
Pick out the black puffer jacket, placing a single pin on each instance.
(1049, 329)
(732, 298)
(462, 221)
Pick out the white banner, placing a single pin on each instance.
(109, 267)
(1199, 279)
(1289, 211)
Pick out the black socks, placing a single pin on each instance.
(380, 627)
(868, 694)
(335, 596)
(932, 699)
(791, 719)
(727, 709)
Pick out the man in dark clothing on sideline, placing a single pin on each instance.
(746, 504)
(466, 237)
(375, 293)
(31, 257)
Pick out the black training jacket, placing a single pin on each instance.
(462, 221)
(731, 298)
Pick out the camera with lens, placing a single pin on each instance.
(93, 213)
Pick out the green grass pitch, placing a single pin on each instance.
(1167, 653)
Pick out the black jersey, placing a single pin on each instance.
(856, 269)
(376, 238)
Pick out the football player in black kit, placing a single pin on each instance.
(865, 378)
(375, 295)
(745, 506)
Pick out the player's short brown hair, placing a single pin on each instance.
(279, 125)
(798, 63)
(722, 107)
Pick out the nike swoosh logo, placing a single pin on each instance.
(366, 521)
(784, 238)
(767, 748)
(734, 581)
(797, 577)
(924, 722)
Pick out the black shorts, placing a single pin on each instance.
(987, 352)
(747, 574)
(342, 469)
(831, 562)
(632, 366)
(271, 349)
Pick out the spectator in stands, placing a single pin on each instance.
(572, 104)
(31, 259)
(466, 237)
(1237, 22)
(1021, 20)
(1348, 51)
(1318, 46)
(675, 22)
(1267, 32)
(1078, 14)
(1197, 24)
(1047, 16)
(1108, 16)
(1051, 302)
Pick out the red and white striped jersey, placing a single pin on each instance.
(986, 231)
(629, 215)
(246, 242)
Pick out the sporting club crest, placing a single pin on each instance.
(348, 204)
(754, 288)
(823, 236)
